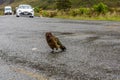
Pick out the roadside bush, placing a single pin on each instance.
(73, 12)
(36, 9)
(83, 11)
(100, 8)
(49, 13)
(45, 14)
(80, 11)
(52, 13)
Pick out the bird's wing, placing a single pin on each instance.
(60, 44)
(58, 41)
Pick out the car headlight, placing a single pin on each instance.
(32, 11)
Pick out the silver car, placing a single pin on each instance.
(24, 9)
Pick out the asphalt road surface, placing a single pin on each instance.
(93, 49)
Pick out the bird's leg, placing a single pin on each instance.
(52, 51)
(56, 48)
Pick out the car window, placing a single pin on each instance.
(25, 7)
(7, 8)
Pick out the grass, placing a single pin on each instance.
(1, 12)
(113, 18)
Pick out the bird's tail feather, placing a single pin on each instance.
(63, 48)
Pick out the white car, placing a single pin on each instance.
(8, 10)
(24, 9)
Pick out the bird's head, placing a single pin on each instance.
(48, 34)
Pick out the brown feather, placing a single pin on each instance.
(54, 42)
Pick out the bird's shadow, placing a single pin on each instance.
(55, 55)
(57, 52)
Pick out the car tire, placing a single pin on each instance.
(17, 16)
(31, 16)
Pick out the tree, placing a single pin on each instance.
(63, 4)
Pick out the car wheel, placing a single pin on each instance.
(17, 16)
(31, 16)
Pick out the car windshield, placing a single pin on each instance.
(7, 8)
(25, 7)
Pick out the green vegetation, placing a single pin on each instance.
(97, 12)
(63, 4)
(101, 8)
(110, 18)
(72, 9)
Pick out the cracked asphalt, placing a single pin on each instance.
(93, 49)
